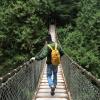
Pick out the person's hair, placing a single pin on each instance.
(48, 38)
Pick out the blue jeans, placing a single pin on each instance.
(52, 74)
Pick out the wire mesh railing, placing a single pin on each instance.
(22, 85)
(81, 83)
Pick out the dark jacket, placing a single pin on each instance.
(46, 52)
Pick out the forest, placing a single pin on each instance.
(24, 26)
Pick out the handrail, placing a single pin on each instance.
(85, 72)
(10, 74)
(80, 86)
(21, 83)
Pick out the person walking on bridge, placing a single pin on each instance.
(52, 66)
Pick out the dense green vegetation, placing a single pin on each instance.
(24, 25)
(21, 33)
(82, 41)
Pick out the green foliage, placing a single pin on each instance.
(23, 30)
(57, 11)
(22, 33)
(82, 42)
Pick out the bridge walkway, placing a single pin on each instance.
(43, 92)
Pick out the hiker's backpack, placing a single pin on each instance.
(55, 55)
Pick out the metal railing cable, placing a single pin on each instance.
(22, 85)
(81, 83)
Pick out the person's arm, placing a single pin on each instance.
(42, 54)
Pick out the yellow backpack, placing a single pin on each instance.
(55, 55)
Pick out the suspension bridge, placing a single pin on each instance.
(29, 82)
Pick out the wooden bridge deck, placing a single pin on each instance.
(43, 92)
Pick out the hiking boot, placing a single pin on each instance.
(52, 90)
(52, 93)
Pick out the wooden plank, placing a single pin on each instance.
(61, 87)
(58, 95)
(60, 78)
(57, 73)
(51, 99)
(56, 90)
(57, 76)
(59, 84)
(57, 80)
